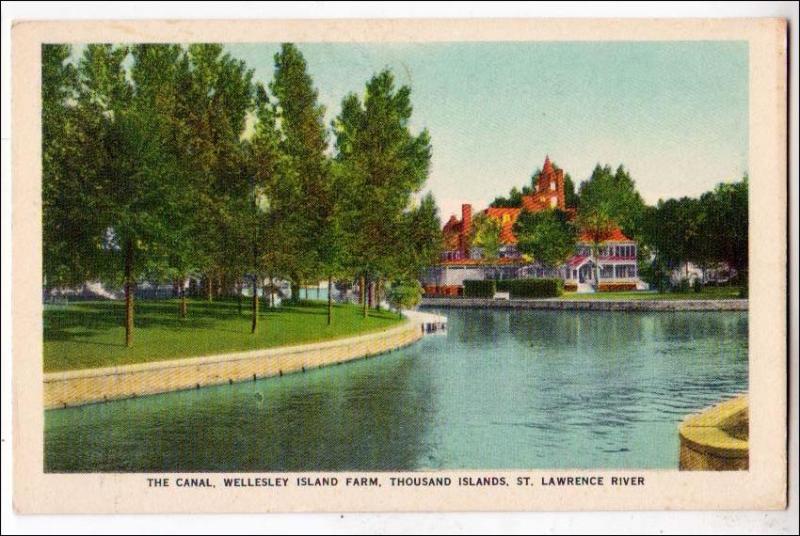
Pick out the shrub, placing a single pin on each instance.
(616, 287)
(681, 286)
(477, 288)
(404, 295)
(697, 286)
(532, 288)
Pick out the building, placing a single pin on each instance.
(612, 268)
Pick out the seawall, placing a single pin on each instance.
(588, 305)
(77, 387)
(716, 439)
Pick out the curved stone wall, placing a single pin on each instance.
(77, 387)
(716, 439)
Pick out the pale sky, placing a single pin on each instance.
(675, 113)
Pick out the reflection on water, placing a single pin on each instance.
(503, 389)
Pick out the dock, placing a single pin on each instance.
(430, 323)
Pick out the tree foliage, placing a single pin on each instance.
(547, 236)
(613, 194)
(486, 235)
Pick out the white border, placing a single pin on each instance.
(747, 522)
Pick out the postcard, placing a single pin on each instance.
(399, 265)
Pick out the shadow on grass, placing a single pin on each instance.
(86, 320)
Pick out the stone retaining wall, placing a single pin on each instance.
(589, 305)
(716, 439)
(76, 387)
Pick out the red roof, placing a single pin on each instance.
(615, 235)
(576, 260)
(475, 262)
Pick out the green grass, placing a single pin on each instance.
(708, 293)
(91, 334)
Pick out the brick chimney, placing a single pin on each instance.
(466, 227)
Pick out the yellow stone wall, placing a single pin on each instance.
(716, 439)
(72, 388)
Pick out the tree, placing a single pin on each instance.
(726, 224)
(269, 233)
(305, 143)
(404, 294)
(597, 225)
(547, 236)
(422, 241)
(69, 233)
(218, 97)
(486, 235)
(615, 194)
(137, 181)
(384, 164)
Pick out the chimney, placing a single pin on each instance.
(466, 227)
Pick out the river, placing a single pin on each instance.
(501, 390)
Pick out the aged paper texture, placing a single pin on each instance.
(399, 265)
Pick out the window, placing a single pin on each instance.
(625, 271)
(606, 271)
(552, 185)
(553, 202)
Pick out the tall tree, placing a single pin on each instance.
(137, 177)
(548, 236)
(305, 143)
(385, 164)
(69, 234)
(613, 193)
(218, 98)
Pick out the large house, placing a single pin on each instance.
(613, 268)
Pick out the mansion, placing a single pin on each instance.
(614, 268)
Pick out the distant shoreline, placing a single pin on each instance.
(589, 305)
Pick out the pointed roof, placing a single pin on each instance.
(547, 168)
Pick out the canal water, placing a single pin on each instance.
(501, 390)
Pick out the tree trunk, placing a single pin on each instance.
(378, 287)
(184, 306)
(254, 326)
(330, 300)
(295, 291)
(129, 294)
(239, 288)
(364, 285)
(209, 289)
(271, 293)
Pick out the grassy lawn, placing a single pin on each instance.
(708, 293)
(91, 334)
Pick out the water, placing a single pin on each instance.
(503, 389)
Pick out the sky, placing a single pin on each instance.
(675, 114)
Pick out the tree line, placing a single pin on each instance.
(706, 231)
(162, 162)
